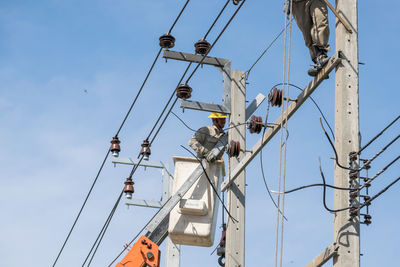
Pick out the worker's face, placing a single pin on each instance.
(219, 122)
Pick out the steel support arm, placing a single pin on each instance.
(322, 258)
(333, 62)
(214, 61)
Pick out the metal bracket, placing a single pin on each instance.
(166, 175)
(196, 105)
(213, 61)
(302, 97)
(224, 65)
(326, 255)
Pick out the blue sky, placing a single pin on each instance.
(69, 71)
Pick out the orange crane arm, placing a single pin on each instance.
(143, 253)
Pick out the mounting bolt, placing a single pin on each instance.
(150, 255)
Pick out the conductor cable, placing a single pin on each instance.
(367, 162)
(116, 135)
(216, 40)
(211, 184)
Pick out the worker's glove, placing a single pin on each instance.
(211, 157)
(205, 152)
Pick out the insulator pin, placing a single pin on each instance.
(128, 189)
(145, 151)
(115, 148)
(202, 47)
(167, 41)
(184, 91)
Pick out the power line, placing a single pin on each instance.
(216, 19)
(264, 52)
(102, 232)
(173, 104)
(178, 17)
(377, 195)
(379, 134)
(216, 40)
(262, 165)
(315, 103)
(81, 209)
(116, 135)
(367, 162)
(212, 185)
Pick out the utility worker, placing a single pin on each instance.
(205, 139)
(312, 18)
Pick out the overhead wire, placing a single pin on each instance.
(264, 52)
(324, 192)
(285, 147)
(367, 162)
(211, 184)
(82, 207)
(366, 203)
(100, 236)
(184, 74)
(262, 164)
(116, 135)
(137, 235)
(315, 103)
(216, 40)
(216, 19)
(165, 117)
(379, 134)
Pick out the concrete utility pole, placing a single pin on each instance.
(235, 235)
(346, 230)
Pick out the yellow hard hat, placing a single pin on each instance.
(216, 115)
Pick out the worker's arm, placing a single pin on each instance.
(198, 139)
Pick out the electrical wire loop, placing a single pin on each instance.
(167, 41)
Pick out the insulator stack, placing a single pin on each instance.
(184, 91)
(233, 149)
(145, 151)
(115, 148)
(275, 97)
(167, 41)
(353, 156)
(255, 125)
(202, 47)
(353, 174)
(367, 219)
(366, 199)
(353, 212)
(128, 189)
